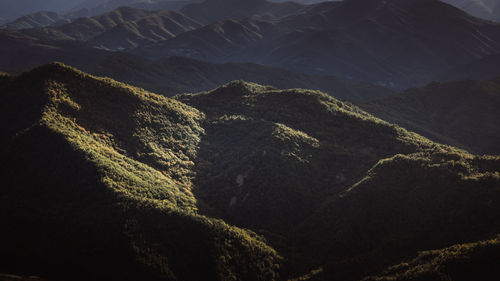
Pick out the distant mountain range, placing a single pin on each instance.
(178, 75)
(97, 7)
(47, 15)
(36, 20)
(170, 76)
(395, 44)
(12, 9)
(210, 11)
(486, 9)
(244, 180)
(392, 43)
(123, 28)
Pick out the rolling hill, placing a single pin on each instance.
(243, 182)
(462, 113)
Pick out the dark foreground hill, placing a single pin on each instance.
(246, 182)
(463, 113)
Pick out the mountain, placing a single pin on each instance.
(86, 9)
(218, 42)
(462, 113)
(404, 205)
(481, 69)
(308, 2)
(210, 11)
(97, 7)
(245, 182)
(178, 75)
(12, 9)
(19, 51)
(459, 262)
(388, 43)
(120, 29)
(14, 277)
(171, 76)
(106, 186)
(37, 20)
(391, 43)
(486, 9)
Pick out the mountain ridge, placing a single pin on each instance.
(247, 173)
(122, 28)
(377, 43)
(453, 113)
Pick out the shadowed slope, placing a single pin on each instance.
(463, 113)
(405, 203)
(170, 76)
(177, 75)
(309, 171)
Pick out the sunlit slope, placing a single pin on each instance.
(459, 262)
(97, 181)
(113, 182)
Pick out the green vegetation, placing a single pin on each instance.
(404, 204)
(244, 182)
(460, 262)
(105, 171)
